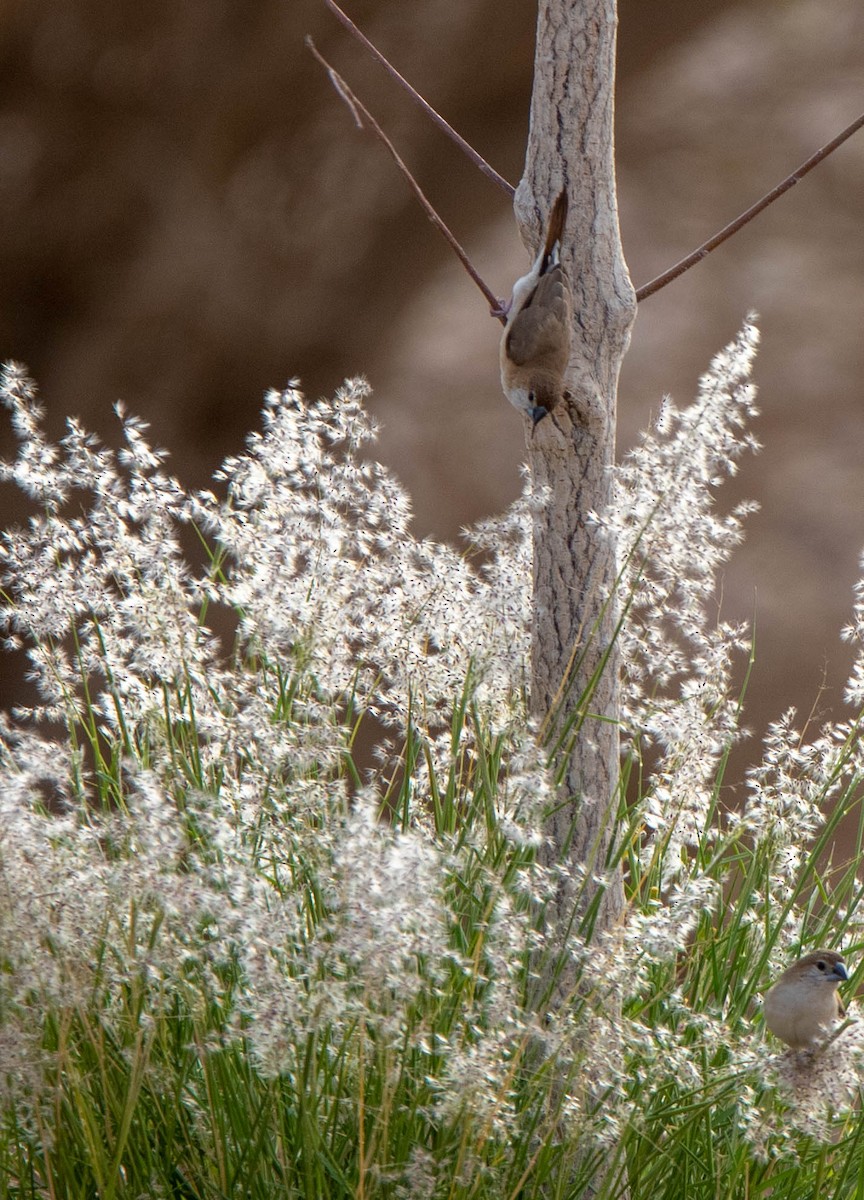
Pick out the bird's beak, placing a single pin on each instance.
(840, 971)
(537, 415)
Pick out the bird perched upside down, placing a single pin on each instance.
(803, 1004)
(535, 345)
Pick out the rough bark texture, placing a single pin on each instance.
(571, 452)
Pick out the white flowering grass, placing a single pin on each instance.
(240, 957)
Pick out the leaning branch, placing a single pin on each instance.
(727, 231)
(365, 120)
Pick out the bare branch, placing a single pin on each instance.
(365, 119)
(648, 289)
(727, 231)
(464, 146)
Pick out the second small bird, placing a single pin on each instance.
(535, 346)
(803, 1006)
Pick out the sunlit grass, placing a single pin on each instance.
(246, 953)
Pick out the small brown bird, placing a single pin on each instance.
(535, 345)
(803, 1004)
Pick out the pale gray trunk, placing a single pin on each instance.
(571, 451)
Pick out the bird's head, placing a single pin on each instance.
(822, 966)
(539, 397)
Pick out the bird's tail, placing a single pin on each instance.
(554, 230)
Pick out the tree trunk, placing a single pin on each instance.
(571, 452)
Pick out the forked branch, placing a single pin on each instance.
(365, 120)
(427, 108)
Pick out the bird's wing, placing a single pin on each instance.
(540, 330)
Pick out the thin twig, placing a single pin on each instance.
(727, 231)
(365, 119)
(464, 146)
(837, 1032)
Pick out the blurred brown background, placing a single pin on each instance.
(190, 217)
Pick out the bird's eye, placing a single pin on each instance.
(820, 966)
(530, 397)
